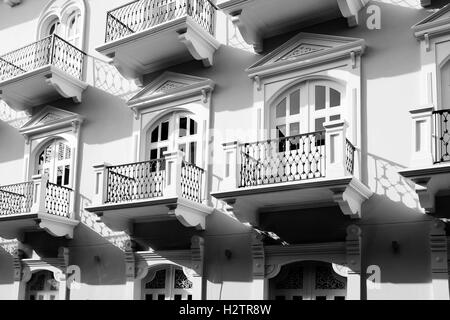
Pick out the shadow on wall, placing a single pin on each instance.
(388, 182)
(12, 144)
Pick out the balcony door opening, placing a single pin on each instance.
(167, 283)
(55, 160)
(42, 286)
(176, 131)
(308, 280)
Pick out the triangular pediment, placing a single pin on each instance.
(49, 117)
(168, 83)
(305, 46)
(437, 22)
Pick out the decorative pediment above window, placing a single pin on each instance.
(305, 50)
(169, 87)
(435, 25)
(49, 119)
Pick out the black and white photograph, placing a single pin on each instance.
(261, 151)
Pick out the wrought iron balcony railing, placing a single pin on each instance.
(294, 158)
(441, 135)
(20, 199)
(145, 14)
(52, 50)
(147, 180)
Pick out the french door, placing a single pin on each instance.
(55, 160)
(168, 283)
(177, 131)
(308, 281)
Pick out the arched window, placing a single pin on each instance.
(308, 281)
(167, 283)
(55, 159)
(73, 28)
(305, 107)
(42, 286)
(176, 131)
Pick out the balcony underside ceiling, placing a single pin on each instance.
(39, 87)
(123, 216)
(14, 226)
(248, 203)
(260, 19)
(431, 181)
(159, 47)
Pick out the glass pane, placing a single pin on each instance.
(161, 297)
(281, 131)
(148, 297)
(183, 127)
(189, 297)
(155, 135)
(320, 97)
(66, 175)
(335, 117)
(193, 129)
(297, 298)
(193, 152)
(319, 124)
(280, 298)
(59, 176)
(154, 154)
(182, 147)
(321, 298)
(294, 129)
(164, 131)
(295, 102)
(162, 151)
(335, 98)
(181, 281)
(281, 109)
(177, 297)
(158, 282)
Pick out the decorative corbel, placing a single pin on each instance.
(205, 95)
(426, 196)
(197, 254)
(136, 113)
(75, 126)
(130, 260)
(27, 139)
(257, 80)
(258, 256)
(426, 38)
(353, 58)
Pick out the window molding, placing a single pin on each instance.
(62, 10)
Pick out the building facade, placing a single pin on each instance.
(224, 149)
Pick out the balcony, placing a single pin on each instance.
(155, 190)
(260, 19)
(49, 69)
(36, 205)
(430, 163)
(148, 35)
(293, 172)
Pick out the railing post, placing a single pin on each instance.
(101, 184)
(174, 161)
(232, 166)
(39, 193)
(335, 146)
(422, 133)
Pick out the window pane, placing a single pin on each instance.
(154, 154)
(66, 175)
(281, 109)
(320, 97)
(295, 102)
(177, 297)
(162, 151)
(182, 147)
(148, 297)
(193, 152)
(161, 297)
(294, 129)
(193, 129)
(319, 124)
(155, 135)
(281, 131)
(183, 127)
(335, 98)
(164, 131)
(59, 176)
(335, 117)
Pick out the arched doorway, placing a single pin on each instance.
(308, 280)
(42, 286)
(167, 283)
(55, 160)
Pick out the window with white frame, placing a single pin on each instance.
(176, 131)
(167, 283)
(55, 160)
